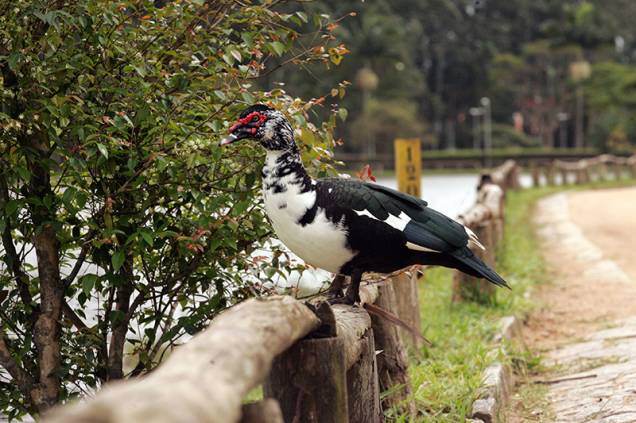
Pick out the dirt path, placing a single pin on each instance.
(585, 325)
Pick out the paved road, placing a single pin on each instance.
(586, 323)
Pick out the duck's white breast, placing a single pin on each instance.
(321, 243)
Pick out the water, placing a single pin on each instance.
(448, 194)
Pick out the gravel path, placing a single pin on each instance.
(585, 326)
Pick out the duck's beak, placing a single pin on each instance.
(228, 140)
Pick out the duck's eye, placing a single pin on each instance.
(255, 118)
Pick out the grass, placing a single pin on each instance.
(447, 376)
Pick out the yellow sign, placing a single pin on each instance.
(408, 165)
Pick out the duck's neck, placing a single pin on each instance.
(283, 168)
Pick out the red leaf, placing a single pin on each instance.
(365, 174)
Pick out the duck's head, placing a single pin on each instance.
(263, 124)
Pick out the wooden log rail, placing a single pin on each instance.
(317, 363)
(584, 171)
(486, 219)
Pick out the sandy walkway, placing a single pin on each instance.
(585, 324)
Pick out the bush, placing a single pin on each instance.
(123, 224)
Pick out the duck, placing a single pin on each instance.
(348, 226)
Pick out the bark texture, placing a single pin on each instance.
(205, 379)
(392, 359)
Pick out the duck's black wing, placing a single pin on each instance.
(421, 225)
(425, 229)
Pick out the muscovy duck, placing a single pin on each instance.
(348, 226)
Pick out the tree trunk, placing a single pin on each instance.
(47, 329)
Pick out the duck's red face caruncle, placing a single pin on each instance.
(249, 125)
(263, 124)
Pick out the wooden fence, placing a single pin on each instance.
(316, 363)
(486, 219)
(584, 171)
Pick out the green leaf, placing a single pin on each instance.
(278, 47)
(88, 283)
(24, 173)
(147, 236)
(103, 150)
(67, 197)
(118, 259)
(11, 207)
(236, 54)
(342, 113)
(302, 16)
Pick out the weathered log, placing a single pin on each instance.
(475, 215)
(392, 358)
(506, 175)
(309, 380)
(206, 379)
(405, 286)
(363, 389)
(564, 176)
(265, 411)
(352, 323)
(468, 288)
(536, 175)
(549, 174)
(617, 170)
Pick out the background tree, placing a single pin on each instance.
(435, 59)
(124, 227)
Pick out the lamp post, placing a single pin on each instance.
(579, 71)
(476, 113)
(368, 81)
(485, 103)
(563, 117)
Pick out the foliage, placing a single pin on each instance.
(123, 224)
(611, 96)
(445, 55)
(382, 120)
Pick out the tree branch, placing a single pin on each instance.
(21, 378)
(12, 258)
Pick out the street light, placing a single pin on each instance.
(580, 71)
(485, 102)
(368, 81)
(563, 118)
(476, 113)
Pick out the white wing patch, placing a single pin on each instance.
(472, 239)
(399, 223)
(416, 247)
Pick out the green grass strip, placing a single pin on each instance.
(447, 376)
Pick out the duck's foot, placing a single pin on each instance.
(335, 290)
(343, 299)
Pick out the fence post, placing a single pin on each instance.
(549, 174)
(265, 411)
(536, 178)
(408, 306)
(362, 385)
(309, 382)
(393, 360)
(618, 171)
(466, 287)
(564, 176)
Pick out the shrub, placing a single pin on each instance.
(123, 224)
